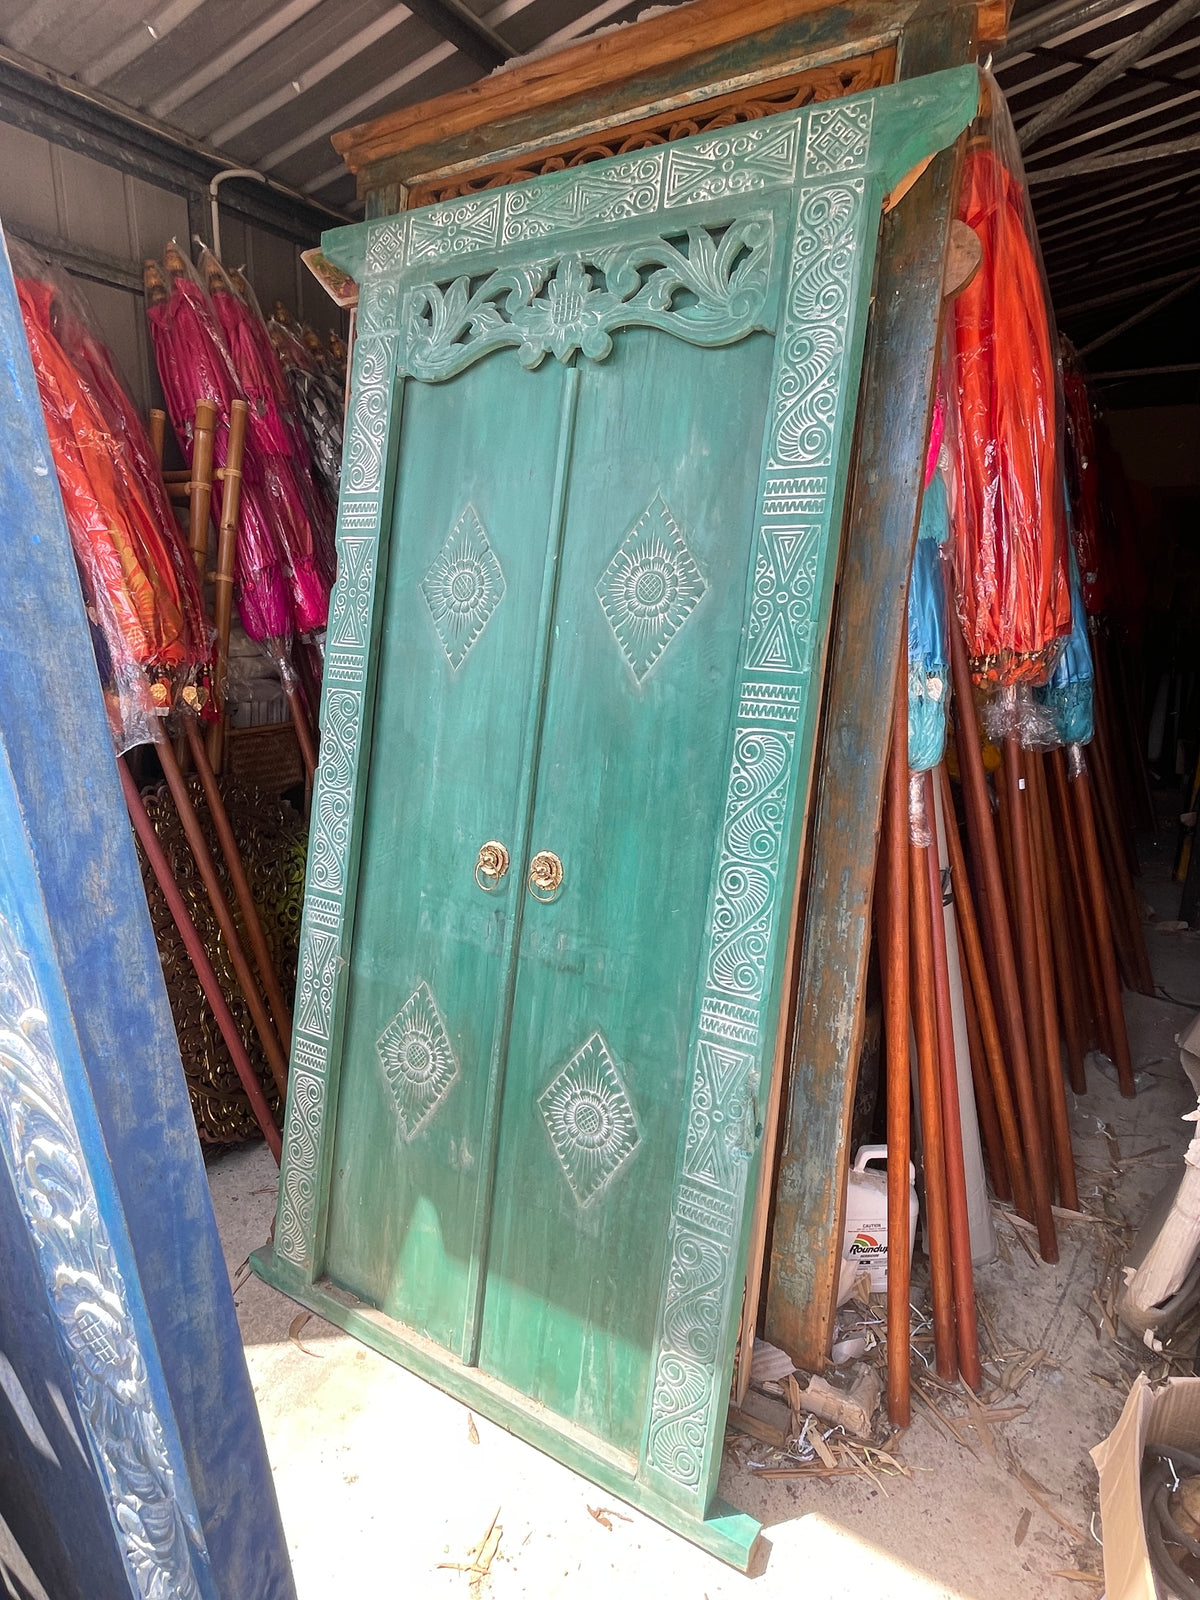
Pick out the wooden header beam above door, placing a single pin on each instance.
(670, 61)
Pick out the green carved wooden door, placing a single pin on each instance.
(594, 480)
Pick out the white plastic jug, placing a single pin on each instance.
(865, 1242)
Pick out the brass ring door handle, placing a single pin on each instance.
(491, 866)
(545, 876)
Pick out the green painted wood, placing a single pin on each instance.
(521, 1135)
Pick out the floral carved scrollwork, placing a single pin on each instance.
(708, 287)
(159, 1534)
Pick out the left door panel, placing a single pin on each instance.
(471, 536)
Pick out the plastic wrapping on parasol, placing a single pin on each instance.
(1009, 529)
(318, 402)
(928, 657)
(272, 445)
(118, 546)
(1083, 476)
(1068, 694)
(194, 365)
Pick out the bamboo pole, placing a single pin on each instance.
(963, 1274)
(937, 1218)
(899, 1081)
(1094, 878)
(158, 433)
(237, 872)
(231, 497)
(209, 982)
(200, 485)
(988, 863)
(224, 915)
(968, 928)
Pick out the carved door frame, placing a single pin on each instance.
(827, 168)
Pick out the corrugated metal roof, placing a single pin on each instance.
(268, 83)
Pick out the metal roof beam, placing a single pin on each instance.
(1115, 296)
(1053, 22)
(1112, 67)
(1140, 316)
(1115, 158)
(465, 31)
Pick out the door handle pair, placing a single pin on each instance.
(545, 871)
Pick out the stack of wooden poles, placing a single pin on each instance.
(256, 975)
(1047, 920)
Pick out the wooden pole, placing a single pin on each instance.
(237, 872)
(974, 965)
(899, 1080)
(1026, 931)
(161, 868)
(224, 915)
(1076, 883)
(1056, 1089)
(1070, 999)
(985, 1100)
(200, 485)
(937, 1218)
(975, 792)
(952, 1140)
(1094, 878)
(231, 497)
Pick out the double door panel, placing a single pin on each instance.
(514, 1083)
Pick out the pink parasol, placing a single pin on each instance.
(194, 365)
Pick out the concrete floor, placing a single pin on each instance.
(380, 1478)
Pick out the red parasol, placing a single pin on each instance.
(1009, 524)
(193, 365)
(122, 551)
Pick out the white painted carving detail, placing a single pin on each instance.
(708, 286)
(463, 587)
(455, 228)
(590, 1119)
(418, 1060)
(839, 138)
(369, 391)
(330, 844)
(298, 1185)
(736, 161)
(157, 1530)
(610, 191)
(650, 587)
(808, 390)
(350, 613)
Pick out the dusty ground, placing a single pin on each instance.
(380, 1479)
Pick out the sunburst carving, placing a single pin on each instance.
(650, 587)
(463, 587)
(590, 1120)
(417, 1059)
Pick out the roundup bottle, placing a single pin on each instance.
(865, 1244)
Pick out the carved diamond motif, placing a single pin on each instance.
(839, 139)
(650, 587)
(590, 1120)
(417, 1059)
(463, 587)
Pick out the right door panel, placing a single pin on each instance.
(631, 785)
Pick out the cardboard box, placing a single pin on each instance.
(1166, 1414)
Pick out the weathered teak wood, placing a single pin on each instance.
(495, 672)
(873, 586)
(664, 63)
(163, 1485)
